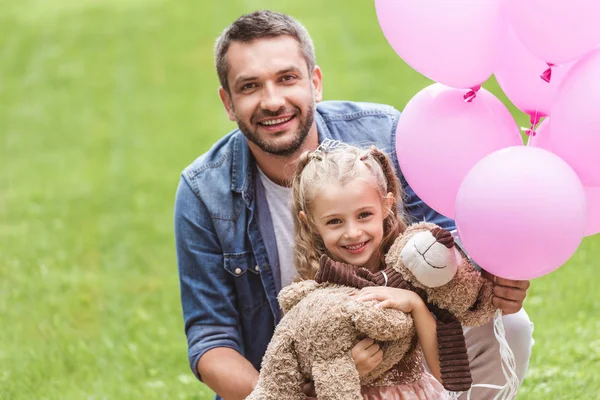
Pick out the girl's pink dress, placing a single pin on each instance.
(426, 388)
(407, 380)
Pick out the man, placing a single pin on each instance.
(233, 222)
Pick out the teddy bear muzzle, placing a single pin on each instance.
(431, 257)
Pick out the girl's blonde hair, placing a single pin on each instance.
(318, 169)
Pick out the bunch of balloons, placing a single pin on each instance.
(521, 210)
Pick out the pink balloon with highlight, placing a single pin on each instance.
(575, 123)
(440, 137)
(451, 42)
(519, 74)
(556, 31)
(521, 212)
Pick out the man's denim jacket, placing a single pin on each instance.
(226, 250)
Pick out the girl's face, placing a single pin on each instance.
(349, 218)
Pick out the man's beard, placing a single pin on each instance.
(287, 148)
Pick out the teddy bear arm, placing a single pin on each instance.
(380, 323)
(291, 295)
(336, 379)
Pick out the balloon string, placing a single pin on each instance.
(534, 119)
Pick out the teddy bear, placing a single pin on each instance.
(322, 321)
(411, 260)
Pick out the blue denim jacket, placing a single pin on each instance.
(226, 250)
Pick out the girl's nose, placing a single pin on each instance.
(353, 232)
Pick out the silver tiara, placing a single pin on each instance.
(325, 146)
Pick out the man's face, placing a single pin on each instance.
(273, 94)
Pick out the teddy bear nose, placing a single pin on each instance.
(443, 236)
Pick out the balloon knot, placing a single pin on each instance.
(547, 74)
(471, 94)
(534, 119)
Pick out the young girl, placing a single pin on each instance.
(346, 203)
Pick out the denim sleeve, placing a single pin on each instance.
(207, 292)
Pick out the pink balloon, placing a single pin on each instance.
(521, 212)
(575, 122)
(519, 74)
(592, 193)
(440, 137)
(556, 31)
(452, 42)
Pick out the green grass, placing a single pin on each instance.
(102, 104)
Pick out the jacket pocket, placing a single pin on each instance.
(249, 288)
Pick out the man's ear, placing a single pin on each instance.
(317, 82)
(227, 103)
(303, 217)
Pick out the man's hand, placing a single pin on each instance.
(508, 294)
(366, 355)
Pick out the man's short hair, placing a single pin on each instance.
(257, 25)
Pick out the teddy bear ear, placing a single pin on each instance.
(291, 295)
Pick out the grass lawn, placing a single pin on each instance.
(102, 104)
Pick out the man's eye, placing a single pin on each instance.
(288, 78)
(249, 86)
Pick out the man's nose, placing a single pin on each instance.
(272, 98)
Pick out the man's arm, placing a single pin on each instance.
(209, 301)
(226, 372)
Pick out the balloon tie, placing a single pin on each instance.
(547, 74)
(534, 119)
(471, 94)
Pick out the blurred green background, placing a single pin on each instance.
(102, 104)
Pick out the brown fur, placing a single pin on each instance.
(468, 296)
(315, 338)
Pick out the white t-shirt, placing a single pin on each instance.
(279, 199)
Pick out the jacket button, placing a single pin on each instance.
(257, 268)
(238, 271)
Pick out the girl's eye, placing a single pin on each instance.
(334, 221)
(364, 214)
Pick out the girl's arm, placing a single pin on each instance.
(410, 302)
(427, 333)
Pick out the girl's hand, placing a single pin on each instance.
(400, 299)
(366, 355)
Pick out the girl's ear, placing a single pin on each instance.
(389, 201)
